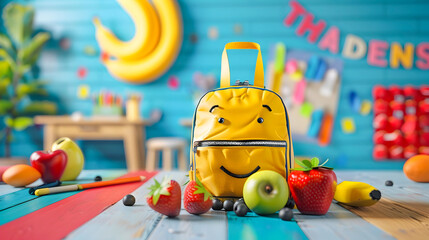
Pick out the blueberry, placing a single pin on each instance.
(290, 203)
(388, 183)
(238, 203)
(228, 205)
(217, 204)
(129, 200)
(286, 214)
(98, 178)
(241, 210)
(241, 200)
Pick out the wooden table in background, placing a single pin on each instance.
(403, 213)
(186, 122)
(131, 132)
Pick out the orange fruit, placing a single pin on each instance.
(417, 168)
(20, 175)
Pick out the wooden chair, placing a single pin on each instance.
(166, 145)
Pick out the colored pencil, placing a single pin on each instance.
(76, 187)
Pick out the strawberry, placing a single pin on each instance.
(196, 199)
(165, 197)
(312, 187)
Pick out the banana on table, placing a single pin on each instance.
(357, 194)
(154, 47)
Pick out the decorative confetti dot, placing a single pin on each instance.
(297, 76)
(306, 109)
(365, 107)
(354, 101)
(348, 125)
(82, 72)
(238, 29)
(104, 56)
(213, 33)
(83, 92)
(173, 82)
(291, 66)
(193, 38)
(89, 50)
(64, 43)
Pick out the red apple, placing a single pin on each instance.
(411, 138)
(395, 123)
(380, 122)
(424, 138)
(424, 90)
(410, 92)
(394, 137)
(410, 107)
(379, 137)
(424, 106)
(381, 106)
(380, 92)
(380, 152)
(397, 93)
(424, 150)
(396, 152)
(410, 151)
(397, 106)
(424, 121)
(410, 124)
(398, 138)
(50, 164)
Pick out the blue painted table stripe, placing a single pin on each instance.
(15, 198)
(23, 209)
(270, 227)
(17, 204)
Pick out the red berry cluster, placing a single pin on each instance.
(401, 121)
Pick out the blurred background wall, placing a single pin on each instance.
(208, 25)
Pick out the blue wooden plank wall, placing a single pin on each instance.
(262, 21)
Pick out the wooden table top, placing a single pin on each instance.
(403, 213)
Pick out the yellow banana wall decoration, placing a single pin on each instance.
(146, 37)
(146, 68)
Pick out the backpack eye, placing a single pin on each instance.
(260, 120)
(221, 120)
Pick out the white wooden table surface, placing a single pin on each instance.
(141, 222)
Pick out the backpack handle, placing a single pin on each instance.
(225, 80)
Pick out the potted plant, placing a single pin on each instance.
(21, 93)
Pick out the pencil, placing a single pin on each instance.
(76, 187)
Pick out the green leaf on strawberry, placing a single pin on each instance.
(308, 165)
(200, 189)
(159, 189)
(314, 161)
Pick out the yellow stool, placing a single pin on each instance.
(166, 145)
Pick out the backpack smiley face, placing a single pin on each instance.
(237, 132)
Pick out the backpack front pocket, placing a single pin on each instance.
(224, 166)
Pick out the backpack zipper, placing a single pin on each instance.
(238, 143)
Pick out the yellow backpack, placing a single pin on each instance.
(239, 130)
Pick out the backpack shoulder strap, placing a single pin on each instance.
(225, 80)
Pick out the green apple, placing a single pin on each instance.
(75, 158)
(265, 192)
